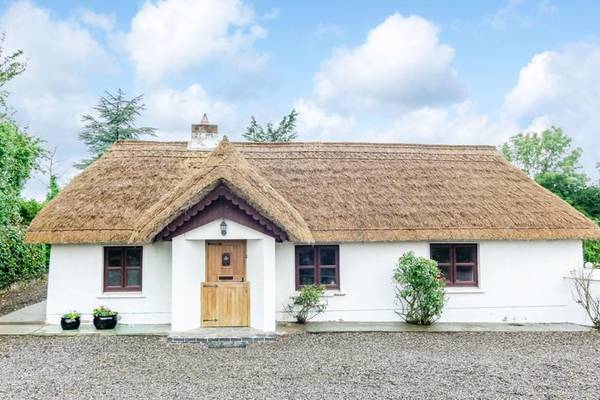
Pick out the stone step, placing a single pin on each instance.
(222, 341)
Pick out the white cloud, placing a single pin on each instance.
(458, 124)
(105, 22)
(509, 15)
(172, 35)
(547, 7)
(173, 112)
(56, 51)
(562, 88)
(521, 14)
(401, 64)
(317, 124)
(51, 94)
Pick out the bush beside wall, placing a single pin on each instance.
(19, 261)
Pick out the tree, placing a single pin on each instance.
(285, 131)
(546, 157)
(53, 188)
(549, 159)
(10, 66)
(115, 121)
(49, 169)
(18, 157)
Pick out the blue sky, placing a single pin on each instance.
(388, 71)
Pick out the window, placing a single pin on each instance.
(457, 262)
(318, 264)
(122, 269)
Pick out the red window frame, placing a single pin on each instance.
(123, 267)
(317, 265)
(453, 264)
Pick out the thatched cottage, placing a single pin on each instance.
(199, 234)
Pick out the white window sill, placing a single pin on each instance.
(455, 289)
(123, 295)
(333, 293)
(328, 293)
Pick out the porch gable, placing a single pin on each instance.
(221, 203)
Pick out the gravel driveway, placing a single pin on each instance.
(353, 365)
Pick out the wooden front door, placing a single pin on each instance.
(225, 294)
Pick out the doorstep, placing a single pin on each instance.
(222, 337)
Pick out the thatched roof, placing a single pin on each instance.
(323, 192)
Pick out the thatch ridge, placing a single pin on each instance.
(335, 191)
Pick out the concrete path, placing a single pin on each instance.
(85, 329)
(41, 329)
(33, 314)
(326, 327)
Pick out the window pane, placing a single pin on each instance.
(307, 276)
(226, 259)
(445, 270)
(114, 277)
(134, 277)
(328, 276)
(327, 255)
(306, 256)
(465, 273)
(440, 254)
(134, 257)
(465, 254)
(114, 257)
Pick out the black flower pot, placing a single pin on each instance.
(69, 324)
(105, 322)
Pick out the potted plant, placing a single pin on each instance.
(70, 321)
(104, 318)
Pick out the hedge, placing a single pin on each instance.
(19, 261)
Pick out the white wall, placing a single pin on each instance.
(188, 262)
(518, 282)
(75, 282)
(188, 259)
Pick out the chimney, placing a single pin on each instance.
(205, 136)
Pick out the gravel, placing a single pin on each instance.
(306, 366)
(23, 294)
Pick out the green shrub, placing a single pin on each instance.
(591, 251)
(28, 209)
(420, 289)
(19, 261)
(307, 304)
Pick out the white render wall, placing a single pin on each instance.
(519, 281)
(75, 282)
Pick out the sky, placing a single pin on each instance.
(460, 72)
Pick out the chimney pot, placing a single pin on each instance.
(205, 136)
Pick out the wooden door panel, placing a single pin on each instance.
(225, 304)
(226, 261)
(209, 304)
(232, 304)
